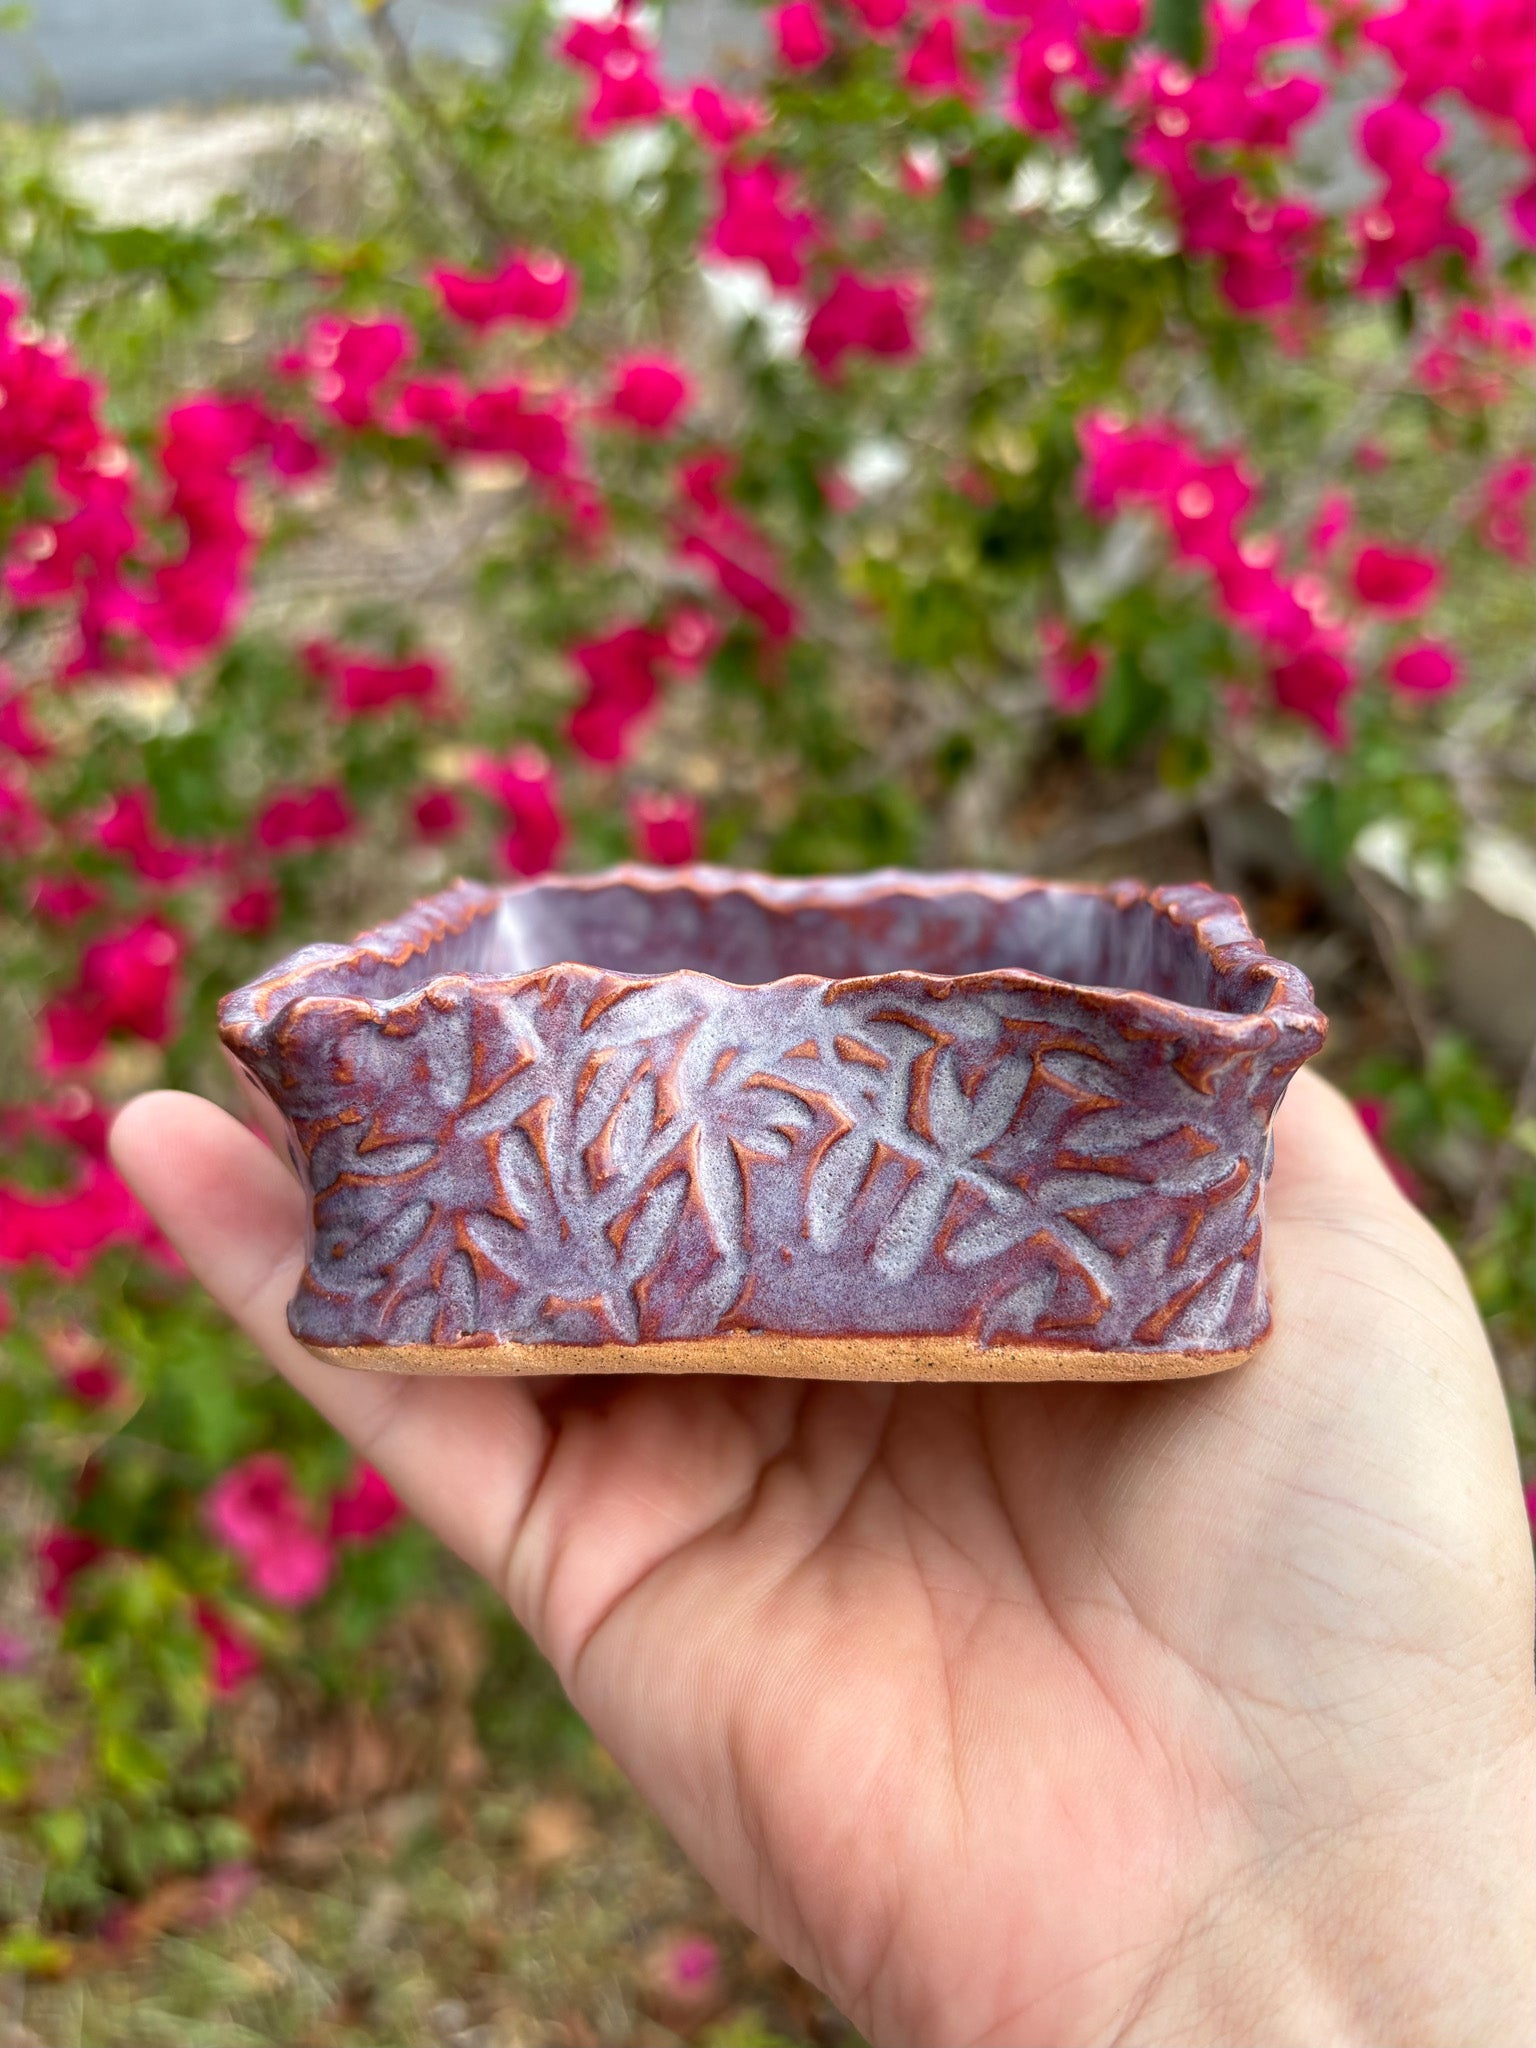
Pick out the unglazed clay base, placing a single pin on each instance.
(793, 1358)
(887, 1126)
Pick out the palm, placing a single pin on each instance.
(972, 1699)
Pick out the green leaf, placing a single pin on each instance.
(65, 1834)
(189, 776)
(1178, 26)
(31, 1953)
(14, 1411)
(1126, 710)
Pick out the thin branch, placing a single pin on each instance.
(1386, 923)
(406, 83)
(421, 172)
(1159, 810)
(1508, 1156)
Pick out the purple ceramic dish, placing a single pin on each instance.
(951, 1126)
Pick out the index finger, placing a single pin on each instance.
(464, 1454)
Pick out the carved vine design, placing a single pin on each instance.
(596, 1159)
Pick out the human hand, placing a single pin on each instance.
(1198, 1712)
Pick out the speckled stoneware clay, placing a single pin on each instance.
(953, 1126)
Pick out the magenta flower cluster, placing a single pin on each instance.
(138, 561)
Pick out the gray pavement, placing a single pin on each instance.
(77, 57)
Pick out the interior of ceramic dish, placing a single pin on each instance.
(845, 929)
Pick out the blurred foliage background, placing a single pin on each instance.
(926, 451)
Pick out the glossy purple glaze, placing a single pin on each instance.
(956, 1105)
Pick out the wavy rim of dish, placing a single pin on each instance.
(254, 1014)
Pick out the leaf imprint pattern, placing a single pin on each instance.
(590, 1157)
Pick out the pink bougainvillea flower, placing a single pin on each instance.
(620, 672)
(934, 65)
(627, 90)
(618, 57)
(752, 588)
(530, 286)
(128, 828)
(73, 1114)
(1232, 103)
(1331, 522)
(1399, 136)
(16, 1653)
(430, 405)
(231, 1659)
(18, 735)
(436, 814)
(299, 819)
(1485, 52)
(683, 1979)
(223, 1891)
(195, 597)
(126, 982)
(504, 420)
(1394, 579)
(739, 557)
(1125, 462)
(292, 1569)
(524, 786)
(1468, 363)
(694, 1960)
(1203, 508)
(352, 362)
(360, 685)
(722, 119)
(1315, 685)
(252, 909)
(63, 899)
(62, 1554)
(1046, 56)
(1414, 217)
(1479, 48)
(1427, 669)
(759, 222)
(1509, 497)
(703, 480)
(880, 17)
(800, 36)
(244, 1502)
(80, 551)
(589, 43)
(96, 1386)
(921, 171)
(650, 393)
(22, 825)
(85, 1370)
(1115, 20)
(692, 635)
(194, 605)
(68, 1230)
(366, 1506)
(255, 1511)
(50, 412)
(292, 453)
(666, 830)
(1072, 672)
(859, 315)
(584, 511)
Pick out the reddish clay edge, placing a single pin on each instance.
(894, 1126)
